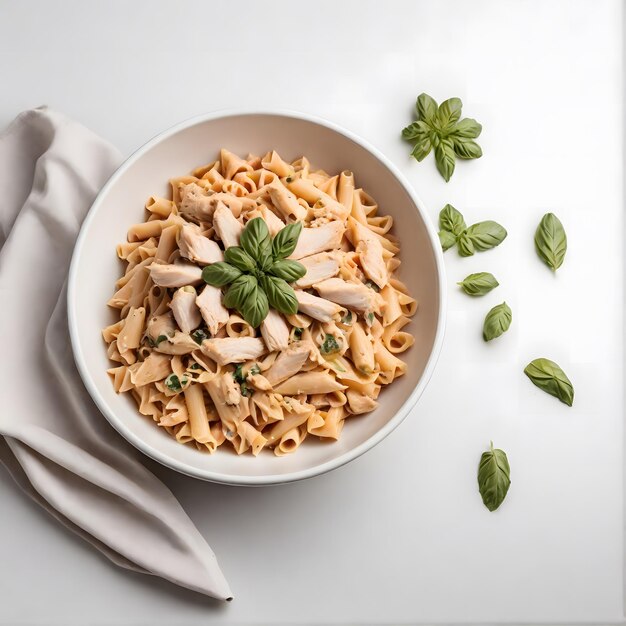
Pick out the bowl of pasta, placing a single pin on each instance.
(256, 297)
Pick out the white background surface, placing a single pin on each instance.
(400, 535)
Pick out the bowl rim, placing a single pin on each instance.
(272, 479)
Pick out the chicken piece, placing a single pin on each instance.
(197, 204)
(226, 226)
(274, 223)
(230, 389)
(359, 402)
(354, 296)
(370, 252)
(176, 275)
(285, 201)
(160, 327)
(214, 313)
(319, 267)
(193, 245)
(179, 343)
(185, 310)
(309, 382)
(233, 349)
(275, 331)
(317, 308)
(288, 362)
(314, 240)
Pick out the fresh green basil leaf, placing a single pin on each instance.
(447, 239)
(173, 383)
(239, 258)
(478, 284)
(465, 245)
(445, 158)
(449, 113)
(494, 477)
(426, 108)
(255, 308)
(486, 235)
(416, 130)
(497, 321)
(285, 241)
(549, 377)
(330, 345)
(280, 295)
(240, 290)
(255, 238)
(467, 128)
(466, 148)
(200, 335)
(451, 220)
(287, 270)
(422, 148)
(551, 241)
(220, 274)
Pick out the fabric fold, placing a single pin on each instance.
(58, 447)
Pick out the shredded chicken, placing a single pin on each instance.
(318, 267)
(193, 245)
(176, 275)
(233, 349)
(226, 225)
(214, 313)
(288, 362)
(370, 252)
(356, 296)
(317, 308)
(275, 331)
(314, 240)
(185, 310)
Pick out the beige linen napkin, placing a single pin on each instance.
(57, 445)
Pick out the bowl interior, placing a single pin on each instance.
(96, 267)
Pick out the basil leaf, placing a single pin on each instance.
(416, 130)
(449, 113)
(478, 284)
(287, 270)
(285, 240)
(445, 158)
(238, 374)
(451, 220)
(497, 321)
(466, 247)
(486, 235)
(494, 477)
(280, 295)
(549, 377)
(426, 108)
(551, 241)
(239, 258)
(255, 238)
(200, 335)
(329, 345)
(255, 369)
(220, 274)
(255, 308)
(239, 292)
(422, 148)
(173, 383)
(466, 148)
(467, 128)
(447, 239)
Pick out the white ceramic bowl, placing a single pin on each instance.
(178, 150)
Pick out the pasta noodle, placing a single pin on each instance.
(205, 375)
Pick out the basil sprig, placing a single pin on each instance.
(475, 238)
(478, 284)
(258, 272)
(497, 321)
(549, 377)
(551, 241)
(494, 477)
(440, 128)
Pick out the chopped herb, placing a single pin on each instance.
(238, 374)
(154, 343)
(371, 285)
(330, 345)
(255, 369)
(289, 179)
(196, 366)
(347, 318)
(245, 390)
(297, 333)
(200, 335)
(370, 318)
(173, 383)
